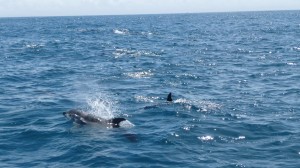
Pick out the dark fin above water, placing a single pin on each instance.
(169, 98)
(116, 121)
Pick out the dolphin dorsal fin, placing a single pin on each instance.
(169, 98)
(116, 121)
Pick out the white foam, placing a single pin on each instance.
(202, 105)
(206, 138)
(291, 63)
(147, 33)
(34, 45)
(188, 128)
(208, 105)
(241, 137)
(144, 99)
(181, 100)
(121, 31)
(143, 74)
(101, 107)
(119, 52)
(126, 124)
(296, 48)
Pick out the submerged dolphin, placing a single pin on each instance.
(83, 118)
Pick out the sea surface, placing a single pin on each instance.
(234, 77)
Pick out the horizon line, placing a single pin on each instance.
(137, 14)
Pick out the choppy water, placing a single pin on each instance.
(234, 78)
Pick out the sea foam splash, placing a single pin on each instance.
(121, 31)
(126, 124)
(201, 105)
(102, 107)
(119, 52)
(105, 107)
(206, 138)
(143, 74)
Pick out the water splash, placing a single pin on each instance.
(126, 124)
(143, 74)
(34, 46)
(291, 63)
(102, 107)
(146, 99)
(121, 31)
(200, 105)
(206, 138)
(119, 52)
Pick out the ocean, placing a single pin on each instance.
(234, 78)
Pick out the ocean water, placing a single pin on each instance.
(235, 80)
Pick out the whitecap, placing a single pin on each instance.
(143, 74)
(188, 127)
(240, 137)
(145, 99)
(206, 138)
(208, 105)
(121, 31)
(202, 106)
(147, 33)
(291, 63)
(33, 46)
(123, 51)
(296, 48)
(174, 134)
(181, 100)
(135, 53)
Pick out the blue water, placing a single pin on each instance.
(234, 78)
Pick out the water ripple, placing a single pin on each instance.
(235, 90)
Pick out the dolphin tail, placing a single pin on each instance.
(169, 98)
(116, 122)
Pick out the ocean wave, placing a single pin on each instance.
(34, 45)
(235, 95)
(134, 53)
(145, 99)
(206, 138)
(199, 105)
(143, 74)
(121, 31)
(146, 33)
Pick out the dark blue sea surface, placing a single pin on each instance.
(235, 80)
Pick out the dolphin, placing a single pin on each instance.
(84, 118)
(169, 98)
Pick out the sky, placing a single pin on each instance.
(25, 8)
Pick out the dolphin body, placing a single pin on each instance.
(83, 118)
(168, 100)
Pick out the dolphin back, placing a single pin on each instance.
(116, 122)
